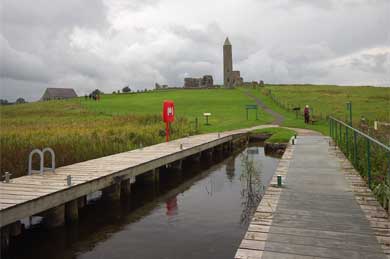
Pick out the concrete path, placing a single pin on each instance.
(315, 215)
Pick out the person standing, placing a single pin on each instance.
(306, 113)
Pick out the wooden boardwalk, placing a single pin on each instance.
(29, 195)
(324, 209)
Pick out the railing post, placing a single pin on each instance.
(347, 141)
(340, 138)
(388, 171)
(368, 164)
(354, 148)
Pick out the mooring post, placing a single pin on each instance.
(72, 211)
(279, 178)
(54, 217)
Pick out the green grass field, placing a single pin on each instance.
(371, 102)
(227, 107)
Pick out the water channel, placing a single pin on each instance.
(202, 211)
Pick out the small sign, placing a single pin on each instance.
(168, 111)
(251, 106)
(168, 116)
(207, 115)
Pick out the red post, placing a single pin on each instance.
(167, 131)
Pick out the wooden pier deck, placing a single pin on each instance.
(324, 210)
(29, 195)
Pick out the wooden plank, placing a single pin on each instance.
(33, 186)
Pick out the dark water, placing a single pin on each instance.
(200, 212)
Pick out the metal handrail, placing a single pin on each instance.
(39, 152)
(361, 133)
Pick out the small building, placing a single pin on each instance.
(58, 94)
(203, 82)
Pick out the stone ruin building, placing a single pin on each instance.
(231, 77)
(203, 82)
(157, 86)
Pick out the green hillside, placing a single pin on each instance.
(227, 106)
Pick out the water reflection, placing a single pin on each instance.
(251, 186)
(230, 168)
(171, 205)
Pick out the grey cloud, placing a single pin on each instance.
(53, 13)
(21, 65)
(111, 43)
(376, 63)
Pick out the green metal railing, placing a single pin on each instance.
(369, 156)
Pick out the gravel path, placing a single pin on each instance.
(277, 116)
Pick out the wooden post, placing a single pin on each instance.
(72, 211)
(208, 154)
(177, 164)
(125, 188)
(197, 157)
(16, 229)
(112, 192)
(82, 201)
(156, 173)
(5, 239)
(54, 217)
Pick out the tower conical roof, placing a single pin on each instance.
(227, 42)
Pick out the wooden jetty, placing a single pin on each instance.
(50, 194)
(323, 210)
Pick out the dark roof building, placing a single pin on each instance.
(58, 94)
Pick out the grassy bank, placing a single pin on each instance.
(279, 135)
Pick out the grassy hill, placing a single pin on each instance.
(369, 102)
(227, 106)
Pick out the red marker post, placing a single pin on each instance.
(168, 115)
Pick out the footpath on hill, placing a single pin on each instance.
(278, 118)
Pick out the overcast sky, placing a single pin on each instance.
(109, 44)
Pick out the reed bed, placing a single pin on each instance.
(75, 133)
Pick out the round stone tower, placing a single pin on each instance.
(227, 63)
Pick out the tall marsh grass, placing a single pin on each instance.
(75, 134)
